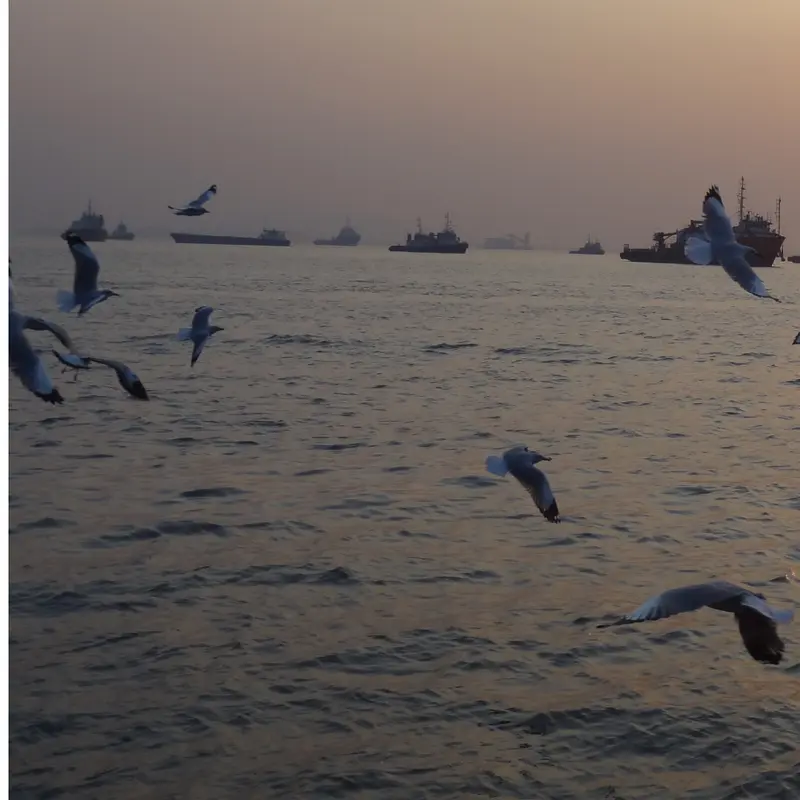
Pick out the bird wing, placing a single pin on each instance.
(117, 366)
(198, 348)
(536, 484)
(204, 198)
(717, 224)
(735, 264)
(200, 318)
(40, 324)
(26, 365)
(796, 339)
(87, 268)
(760, 635)
(680, 600)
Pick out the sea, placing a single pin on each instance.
(289, 574)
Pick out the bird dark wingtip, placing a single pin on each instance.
(138, 391)
(713, 192)
(551, 514)
(53, 397)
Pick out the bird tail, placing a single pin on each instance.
(496, 465)
(184, 334)
(65, 300)
(698, 250)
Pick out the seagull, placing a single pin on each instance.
(757, 621)
(127, 378)
(84, 287)
(200, 331)
(23, 359)
(72, 361)
(719, 244)
(519, 462)
(195, 208)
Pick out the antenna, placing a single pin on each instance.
(740, 197)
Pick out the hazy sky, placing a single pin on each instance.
(561, 117)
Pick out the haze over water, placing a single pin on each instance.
(561, 118)
(289, 575)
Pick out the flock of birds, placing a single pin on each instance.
(756, 619)
(25, 361)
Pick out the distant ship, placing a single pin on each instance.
(121, 233)
(445, 241)
(347, 237)
(267, 238)
(589, 248)
(752, 230)
(90, 227)
(794, 259)
(508, 242)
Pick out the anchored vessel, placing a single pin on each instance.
(347, 237)
(445, 241)
(90, 227)
(590, 248)
(508, 242)
(752, 230)
(269, 237)
(121, 232)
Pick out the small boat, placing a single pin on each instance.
(347, 237)
(121, 233)
(508, 242)
(445, 241)
(589, 248)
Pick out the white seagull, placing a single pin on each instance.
(719, 244)
(757, 621)
(200, 332)
(127, 378)
(519, 461)
(23, 359)
(84, 287)
(195, 208)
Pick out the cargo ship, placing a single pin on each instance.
(347, 237)
(90, 227)
(590, 248)
(269, 237)
(445, 241)
(121, 233)
(508, 242)
(752, 230)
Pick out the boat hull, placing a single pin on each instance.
(459, 247)
(767, 250)
(587, 252)
(794, 259)
(334, 243)
(92, 235)
(200, 238)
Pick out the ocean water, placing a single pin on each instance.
(289, 574)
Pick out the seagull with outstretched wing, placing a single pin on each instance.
(196, 207)
(519, 461)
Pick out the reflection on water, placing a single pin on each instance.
(289, 575)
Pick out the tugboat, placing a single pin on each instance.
(269, 237)
(445, 241)
(347, 237)
(752, 230)
(90, 227)
(589, 248)
(121, 233)
(508, 242)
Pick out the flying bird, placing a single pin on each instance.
(23, 360)
(127, 378)
(519, 461)
(200, 332)
(757, 621)
(719, 244)
(72, 361)
(84, 287)
(195, 208)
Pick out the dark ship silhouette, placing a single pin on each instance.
(445, 241)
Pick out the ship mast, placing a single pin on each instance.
(778, 224)
(740, 197)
